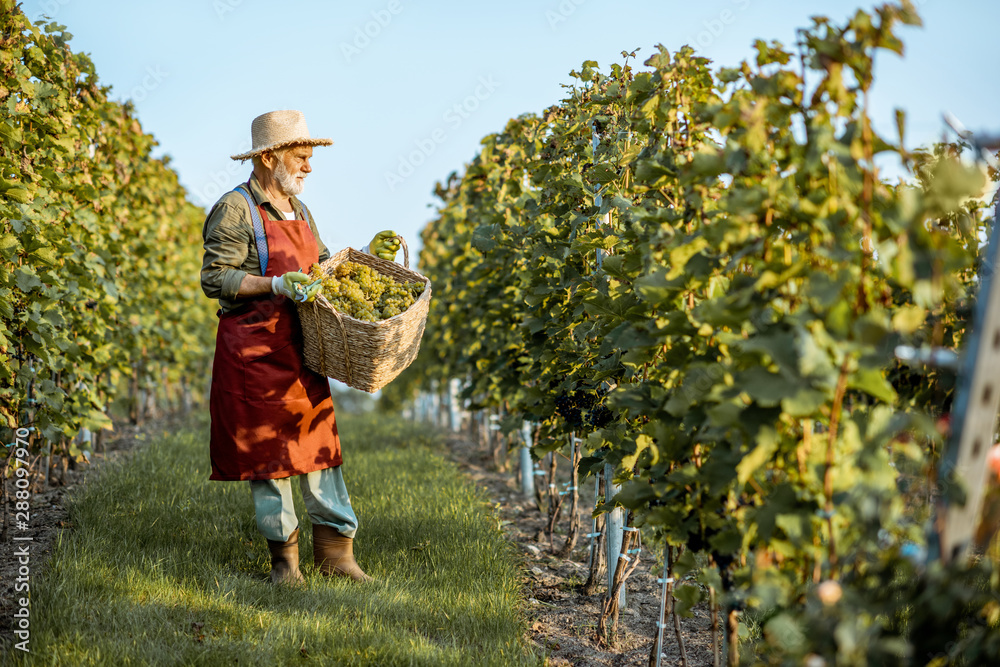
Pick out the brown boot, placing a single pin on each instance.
(334, 554)
(285, 560)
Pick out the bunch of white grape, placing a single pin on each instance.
(364, 293)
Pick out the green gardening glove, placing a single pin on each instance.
(384, 245)
(296, 286)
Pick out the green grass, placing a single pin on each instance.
(163, 567)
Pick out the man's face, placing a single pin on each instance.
(291, 168)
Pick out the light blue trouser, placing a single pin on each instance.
(325, 497)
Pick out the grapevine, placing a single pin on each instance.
(754, 279)
(101, 312)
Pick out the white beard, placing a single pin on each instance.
(287, 181)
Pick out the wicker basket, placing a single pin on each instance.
(364, 355)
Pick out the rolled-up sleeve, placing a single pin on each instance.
(227, 238)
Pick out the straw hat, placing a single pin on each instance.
(279, 129)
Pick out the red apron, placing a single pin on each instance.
(271, 416)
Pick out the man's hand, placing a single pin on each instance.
(295, 286)
(384, 245)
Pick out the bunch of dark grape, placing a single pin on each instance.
(567, 409)
(572, 406)
(585, 399)
(364, 293)
(600, 417)
(581, 407)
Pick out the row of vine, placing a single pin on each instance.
(99, 251)
(705, 272)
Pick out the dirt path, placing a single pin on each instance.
(563, 620)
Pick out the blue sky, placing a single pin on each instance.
(406, 90)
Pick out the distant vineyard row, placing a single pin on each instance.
(99, 249)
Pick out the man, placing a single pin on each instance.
(272, 418)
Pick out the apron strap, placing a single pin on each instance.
(258, 228)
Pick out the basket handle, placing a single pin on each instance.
(406, 251)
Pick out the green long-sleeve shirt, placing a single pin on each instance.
(230, 248)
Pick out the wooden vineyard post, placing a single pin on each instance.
(574, 495)
(597, 529)
(497, 443)
(623, 566)
(977, 399)
(553, 503)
